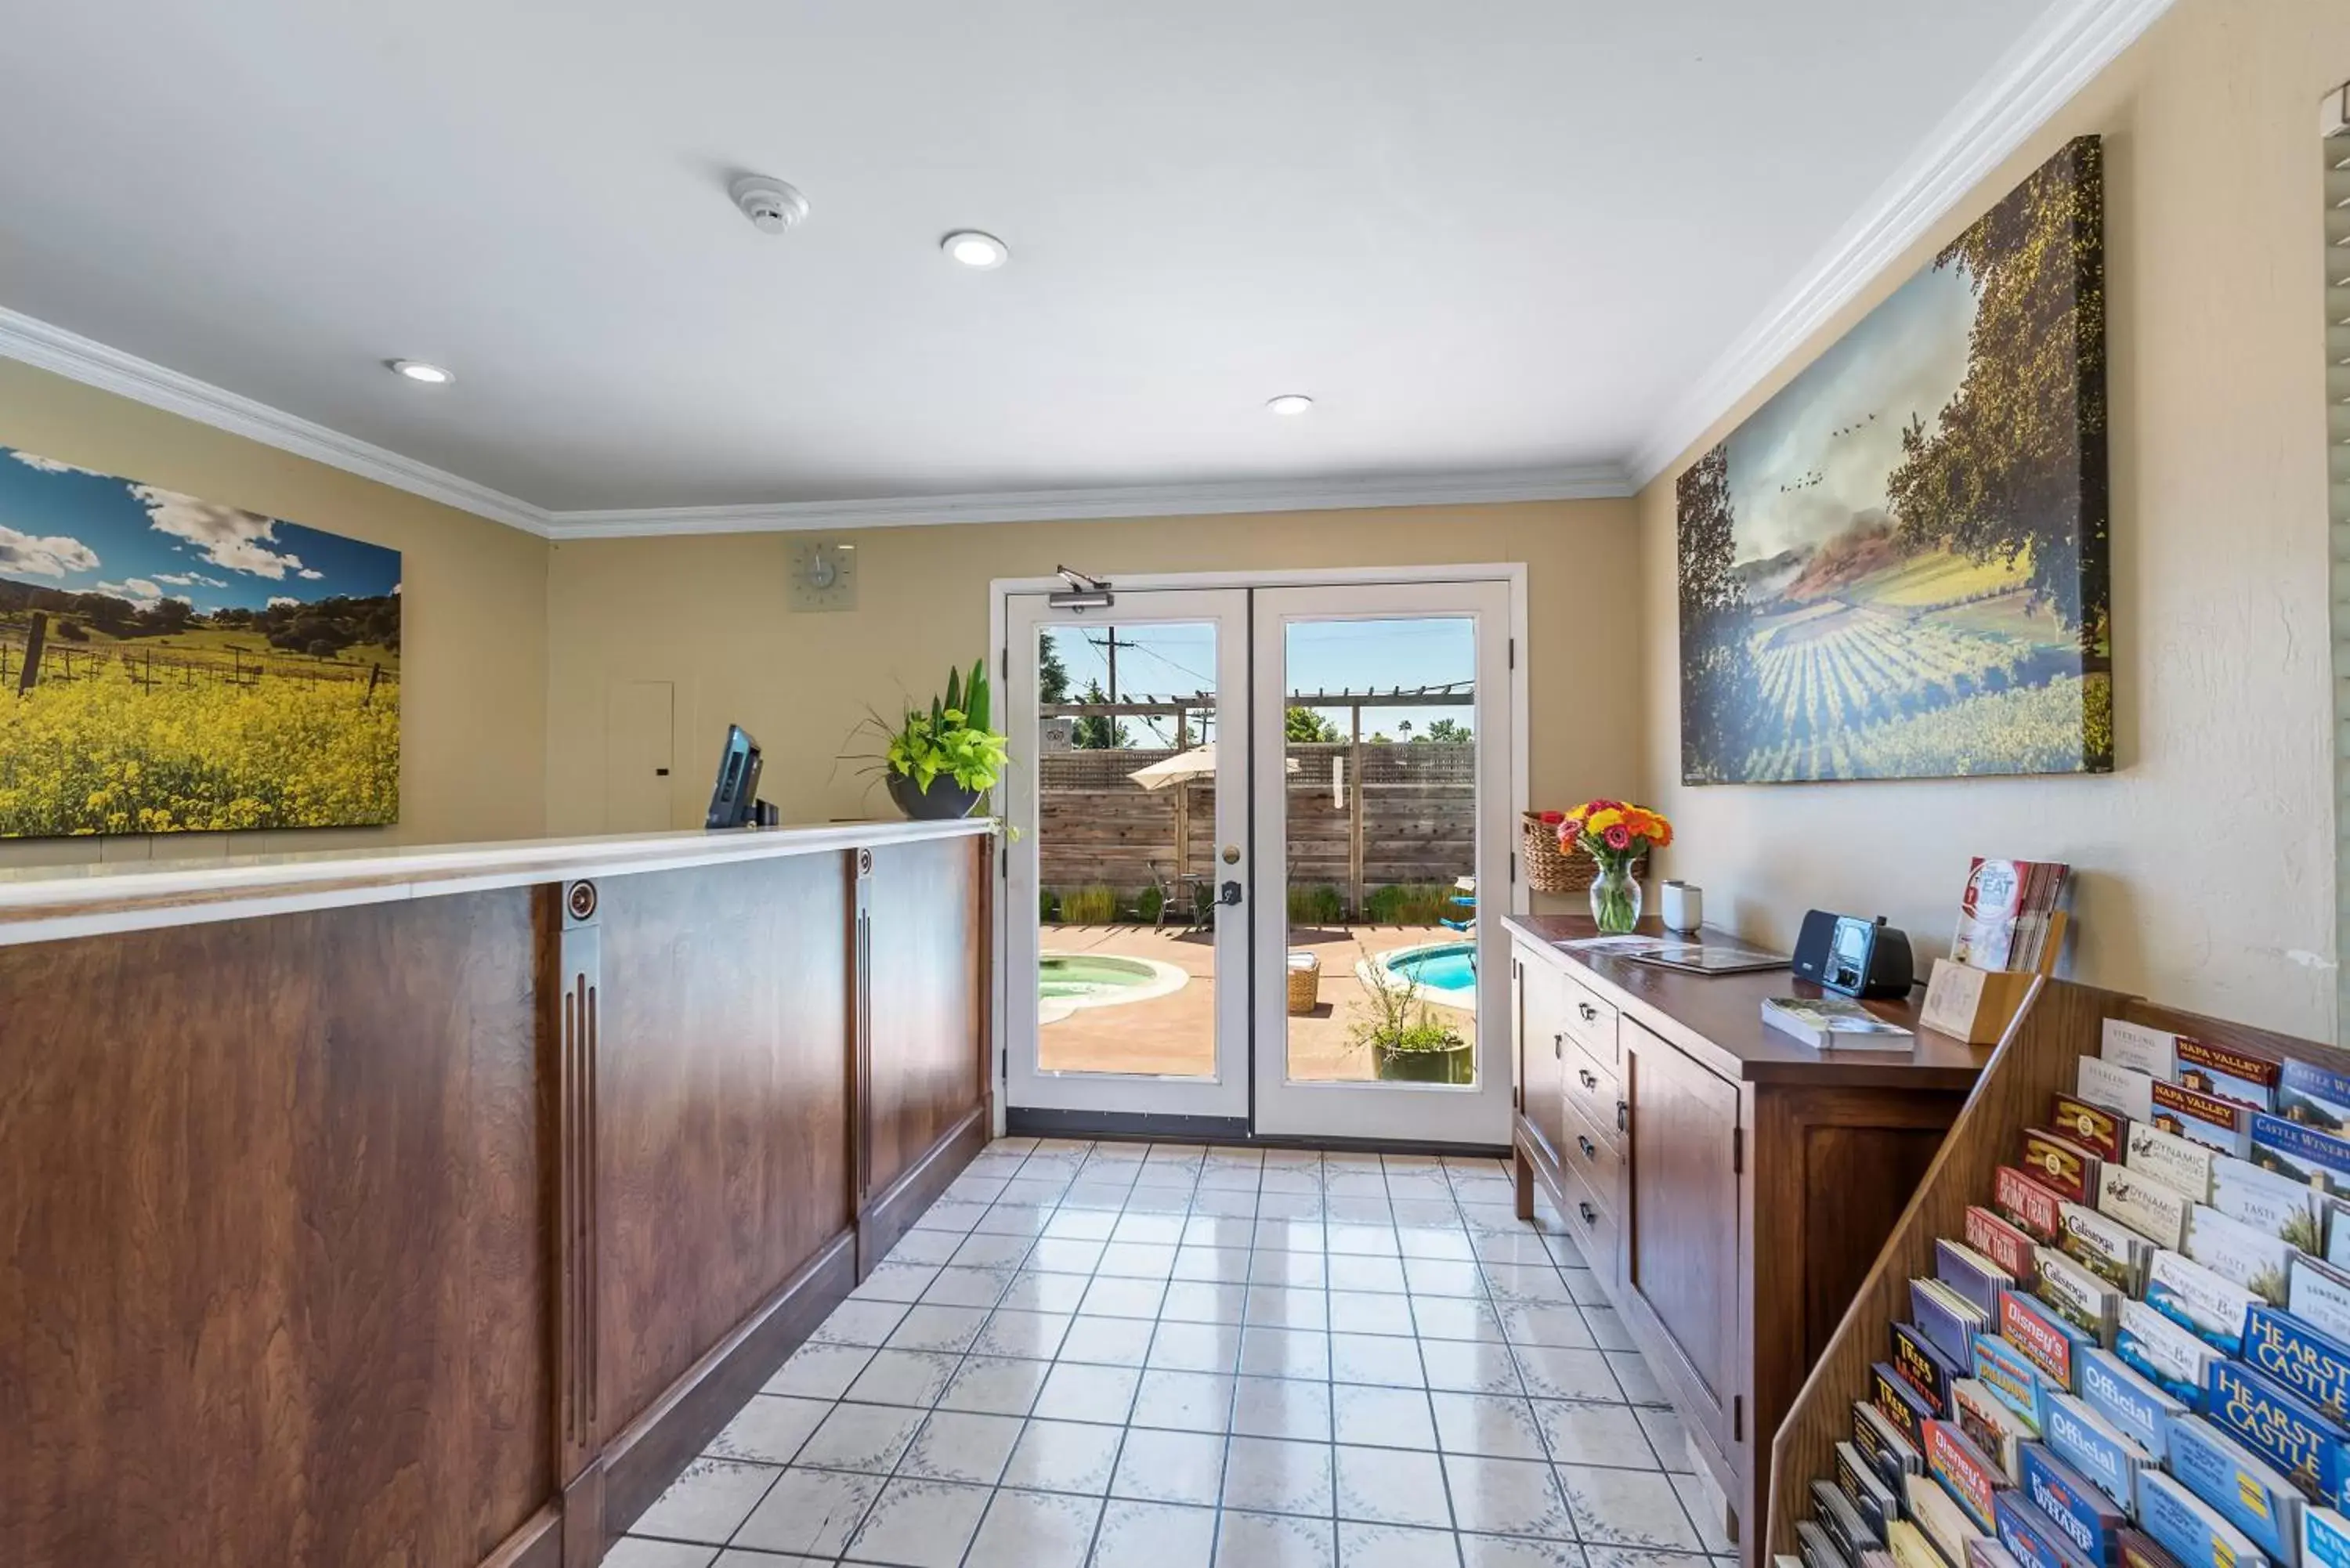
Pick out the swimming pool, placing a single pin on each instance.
(1066, 981)
(1446, 972)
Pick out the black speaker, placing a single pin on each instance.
(1856, 957)
(1813, 946)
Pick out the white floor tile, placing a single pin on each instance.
(920, 1524)
(1065, 1456)
(1281, 1408)
(961, 1446)
(1626, 1508)
(1391, 1486)
(1183, 1401)
(1273, 1540)
(994, 1386)
(1273, 1475)
(1154, 1535)
(1395, 1546)
(1488, 1425)
(1169, 1467)
(1382, 1418)
(631, 1552)
(708, 1502)
(1035, 1530)
(770, 1430)
(810, 1512)
(868, 1438)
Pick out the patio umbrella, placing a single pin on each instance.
(1199, 761)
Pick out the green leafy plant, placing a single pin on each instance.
(955, 738)
(1091, 906)
(1399, 1022)
(1410, 904)
(1315, 906)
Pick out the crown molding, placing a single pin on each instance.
(93, 363)
(2058, 57)
(1577, 484)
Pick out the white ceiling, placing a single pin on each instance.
(1496, 236)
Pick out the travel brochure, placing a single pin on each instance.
(2138, 1353)
(2004, 915)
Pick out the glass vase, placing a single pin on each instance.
(1616, 896)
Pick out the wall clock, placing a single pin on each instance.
(824, 574)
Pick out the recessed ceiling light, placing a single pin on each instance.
(983, 252)
(418, 371)
(1289, 404)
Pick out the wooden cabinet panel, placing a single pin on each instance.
(1681, 1257)
(925, 1011)
(1542, 1048)
(721, 1147)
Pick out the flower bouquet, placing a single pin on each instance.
(1615, 835)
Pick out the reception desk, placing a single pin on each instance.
(434, 1207)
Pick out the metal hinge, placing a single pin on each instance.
(1738, 1417)
(1004, 662)
(1004, 863)
(1513, 864)
(1003, 1064)
(1513, 653)
(1737, 1149)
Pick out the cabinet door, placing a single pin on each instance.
(1681, 1238)
(1542, 1036)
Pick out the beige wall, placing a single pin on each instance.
(2221, 673)
(473, 607)
(710, 613)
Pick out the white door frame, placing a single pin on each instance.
(1513, 573)
(1463, 1114)
(1226, 1093)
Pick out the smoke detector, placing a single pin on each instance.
(772, 206)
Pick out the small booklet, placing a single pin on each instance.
(1832, 1023)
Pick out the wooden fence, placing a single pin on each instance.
(33, 654)
(1360, 817)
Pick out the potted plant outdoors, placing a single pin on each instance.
(939, 764)
(1615, 835)
(1408, 1042)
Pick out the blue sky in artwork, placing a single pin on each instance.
(1818, 454)
(68, 528)
(1171, 660)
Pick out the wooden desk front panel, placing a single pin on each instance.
(928, 962)
(277, 1283)
(721, 1140)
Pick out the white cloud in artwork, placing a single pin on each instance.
(225, 535)
(49, 464)
(306, 572)
(50, 557)
(138, 589)
(278, 601)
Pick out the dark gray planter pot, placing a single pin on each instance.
(942, 801)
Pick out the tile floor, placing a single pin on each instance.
(1129, 1356)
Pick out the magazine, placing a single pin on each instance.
(1830, 1022)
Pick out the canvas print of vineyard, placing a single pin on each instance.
(1897, 568)
(174, 665)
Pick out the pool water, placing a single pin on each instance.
(1446, 972)
(1091, 975)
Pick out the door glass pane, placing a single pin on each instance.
(1381, 759)
(1126, 842)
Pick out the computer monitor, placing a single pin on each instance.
(735, 798)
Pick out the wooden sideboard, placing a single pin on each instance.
(1729, 1187)
(434, 1208)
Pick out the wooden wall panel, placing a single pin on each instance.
(276, 1276)
(928, 1012)
(722, 1104)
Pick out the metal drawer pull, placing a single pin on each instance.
(1590, 1151)
(1623, 1116)
(1588, 1081)
(1558, 1045)
(1590, 1013)
(1590, 1215)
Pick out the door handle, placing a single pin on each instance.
(1588, 1081)
(1228, 894)
(1623, 1116)
(1558, 1046)
(1590, 1215)
(1590, 1013)
(1589, 1150)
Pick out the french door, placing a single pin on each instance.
(1261, 842)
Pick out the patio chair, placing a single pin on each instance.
(1189, 887)
(1464, 897)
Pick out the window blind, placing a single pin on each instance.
(2336, 128)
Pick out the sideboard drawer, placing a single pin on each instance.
(1591, 1222)
(1596, 1156)
(1591, 1021)
(1595, 1094)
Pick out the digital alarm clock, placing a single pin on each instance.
(1856, 957)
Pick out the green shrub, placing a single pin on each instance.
(1411, 904)
(1096, 904)
(1147, 905)
(1043, 906)
(1315, 906)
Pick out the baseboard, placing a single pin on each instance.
(655, 1448)
(537, 1544)
(1024, 1121)
(892, 1212)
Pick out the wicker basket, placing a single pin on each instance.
(1550, 869)
(1305, 984)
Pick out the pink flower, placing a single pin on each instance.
(1619, 836)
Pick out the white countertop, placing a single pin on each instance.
(50, 903)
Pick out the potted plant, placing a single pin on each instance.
(941, 763)
(1615, 835)
(1408, 1042)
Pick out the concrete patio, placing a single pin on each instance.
(1175, 1033)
